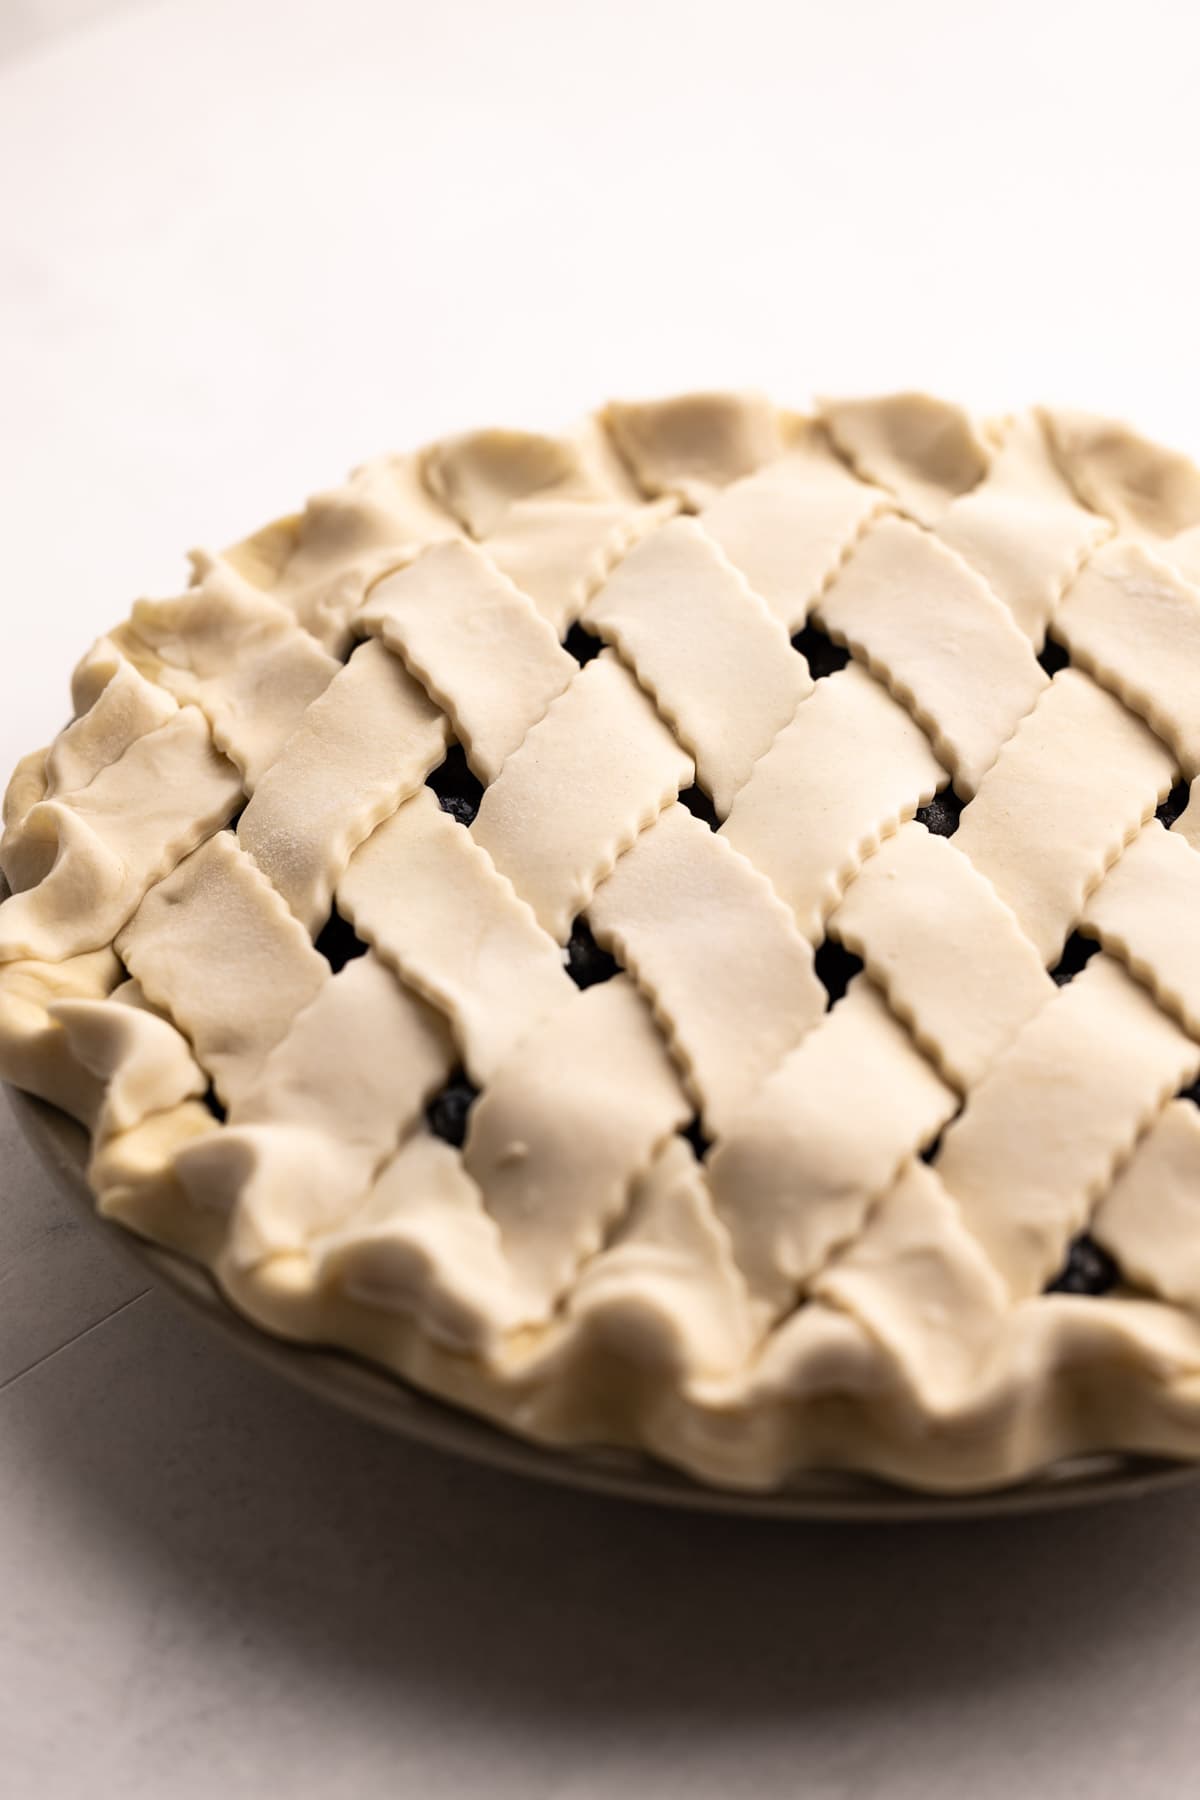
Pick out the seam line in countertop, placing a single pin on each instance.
(40, 1361)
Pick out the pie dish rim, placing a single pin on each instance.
(390, 1402)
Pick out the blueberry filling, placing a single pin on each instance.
(942, 814)
(700, 805)
(458, 790)
(1053, 657)
(694, 1133)
(587, 963)
(338, 942)
(1174, 803)
(448, 1111)
(1087, 1270)
(836, 967)
(819, 651)
(581, 644)
(1077, 953)
(932, 1151)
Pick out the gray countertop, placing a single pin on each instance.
(250, 241)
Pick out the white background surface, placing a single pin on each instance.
(242, 245)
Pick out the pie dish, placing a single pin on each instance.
(682, 936)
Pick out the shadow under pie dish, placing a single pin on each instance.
(683, 936)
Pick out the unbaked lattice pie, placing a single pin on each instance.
(685, 935)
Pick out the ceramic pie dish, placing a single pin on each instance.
(361, 1388)
(681, 938)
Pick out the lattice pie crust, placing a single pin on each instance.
(697, 1207)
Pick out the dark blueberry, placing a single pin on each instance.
(582, 645)
(1174, 803)
(1053, 657)
(1190, 1093)
(819, 651)
(694, 1133)
(459, 808)
(836, 967)
(338, 942)
(458, 790)
(700, 805)
(587, 963)
(1077, 953)
(214, 1106)
(1087, 1270)
(931, 1152)
(448, 1111)
(942, 814)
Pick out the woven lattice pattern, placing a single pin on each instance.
(684, 934)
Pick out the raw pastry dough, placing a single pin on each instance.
(599, 1128)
